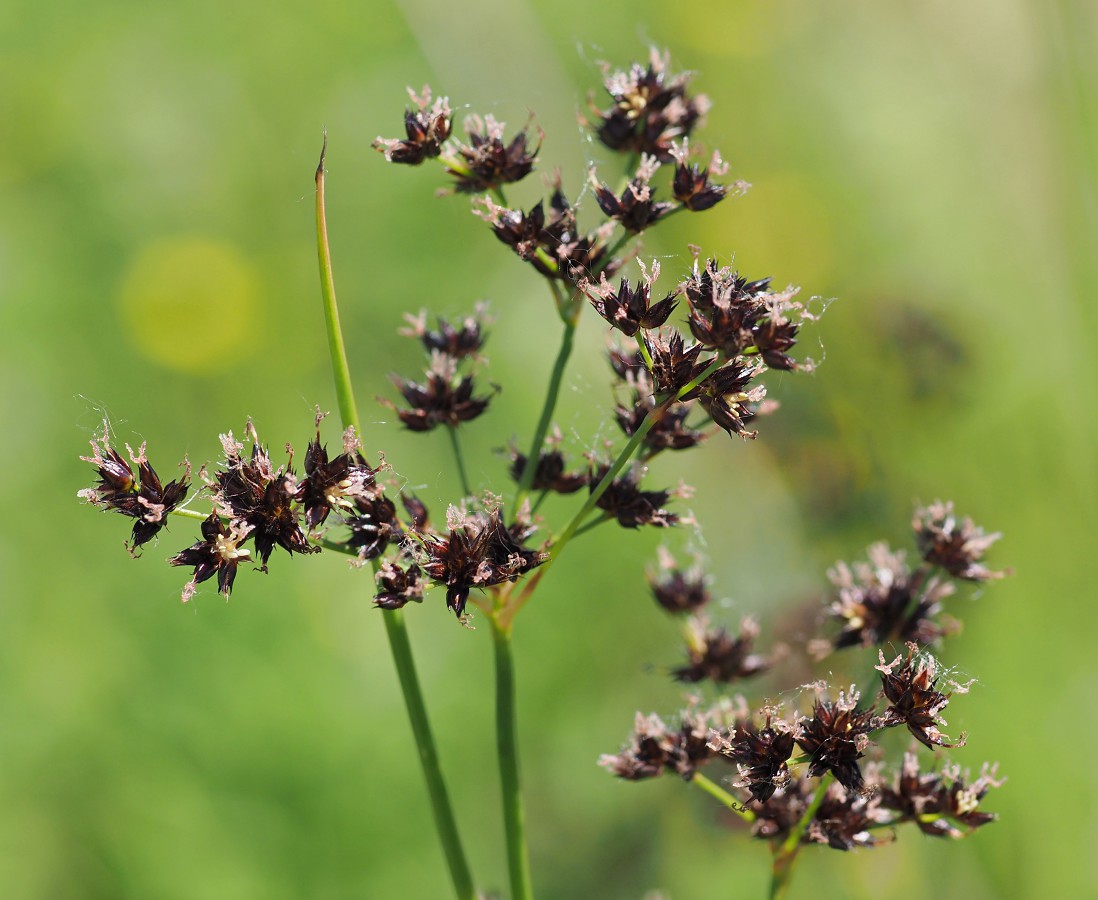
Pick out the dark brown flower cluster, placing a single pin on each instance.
(656, 748)
(636, 208)
(551, 473)
(914, 700)
(957, 545)
(939, 802)
(883, 600)
(824, 758)
(447, 396)
(478, 552)
(624, 500)
(552, 242)
(486, 161)
(427, 127)
(259, 507)
(715, 655)
(734, 315)
(141, 497)
(678, 590)
(651, 109)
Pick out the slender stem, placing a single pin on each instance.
(548, 407)
(785, 854)
(725, 798)
(518, 864)
(594, 523)
(451, 430)
(593, 498)
(626, 454)
(341, 373)
(395, 628)
(445, 823)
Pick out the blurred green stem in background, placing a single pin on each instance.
(397, 632)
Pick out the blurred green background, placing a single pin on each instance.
(930, 166)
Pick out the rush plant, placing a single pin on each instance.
(688, 362)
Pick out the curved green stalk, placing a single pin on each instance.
(514, 818)
(341, 373)
(725, 798)
(395, 629)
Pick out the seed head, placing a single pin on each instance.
(836, 738)
(141, 497)
(486, 162)
(958, 546)
(426, 127)
(651, 108)
(479, 552)
(630, 309)
(714, 655)
(915, 701)
(636, 209)
(219, 552)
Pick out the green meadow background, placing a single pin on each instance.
(930, 167)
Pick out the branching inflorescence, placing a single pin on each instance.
(674, 386)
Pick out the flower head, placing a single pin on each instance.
(486, 162)
(934, 801)
(636, 209)
(877, 602)
(655, 748)
(714, 655)
(958, 546)
(334, 484)
(426, 127)
(479, 552)
(445, 399)
(625, 501)
(760, 754)
(219, 552)
(398, 586)
(630, 309)
(651, 108)
(678, 590)
(692, 184)
(252, 490)
(141, 497)
(458, 341)
(914, 698)
(835, 738)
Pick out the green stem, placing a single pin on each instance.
(624, 457)
(785, 854)
(395, 629)
(725, 798)
(518, 864)
(594, 523)
(548, 407)
(451, 430)
(445, 823)
(341, 373)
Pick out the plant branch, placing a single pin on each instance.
(395, 629)
(518, 864)
(725, 798)
(455, 445)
